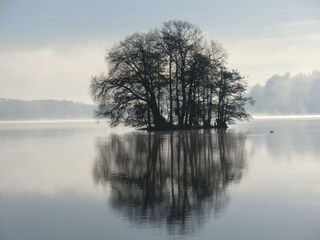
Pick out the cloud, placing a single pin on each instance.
(56, 72)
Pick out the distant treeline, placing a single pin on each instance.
(43, 109)
(286, 94)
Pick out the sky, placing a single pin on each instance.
(50, 49)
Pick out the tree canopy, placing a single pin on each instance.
(169, 78)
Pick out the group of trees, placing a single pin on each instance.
(169, 78)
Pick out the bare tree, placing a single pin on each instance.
(181, 40)
(231, 102)
(133, 86)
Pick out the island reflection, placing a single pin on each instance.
(176, 179)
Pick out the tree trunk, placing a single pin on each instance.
(180, 121)
(170, 90)
(220, 123)
(159, 121)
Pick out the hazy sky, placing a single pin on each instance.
(50, 49)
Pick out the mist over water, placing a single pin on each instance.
(287, 95)
(80, 180)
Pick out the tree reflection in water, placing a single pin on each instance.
(173, 179)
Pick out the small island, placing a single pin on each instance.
(168, 79)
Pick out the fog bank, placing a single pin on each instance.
(286, 94)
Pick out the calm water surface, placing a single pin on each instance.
(82, 180)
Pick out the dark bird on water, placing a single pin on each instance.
(271, 131)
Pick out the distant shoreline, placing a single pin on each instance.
(256, 117)
(18, 110)
(50, 120)
(93, 120)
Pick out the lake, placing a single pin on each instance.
(83, 180)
